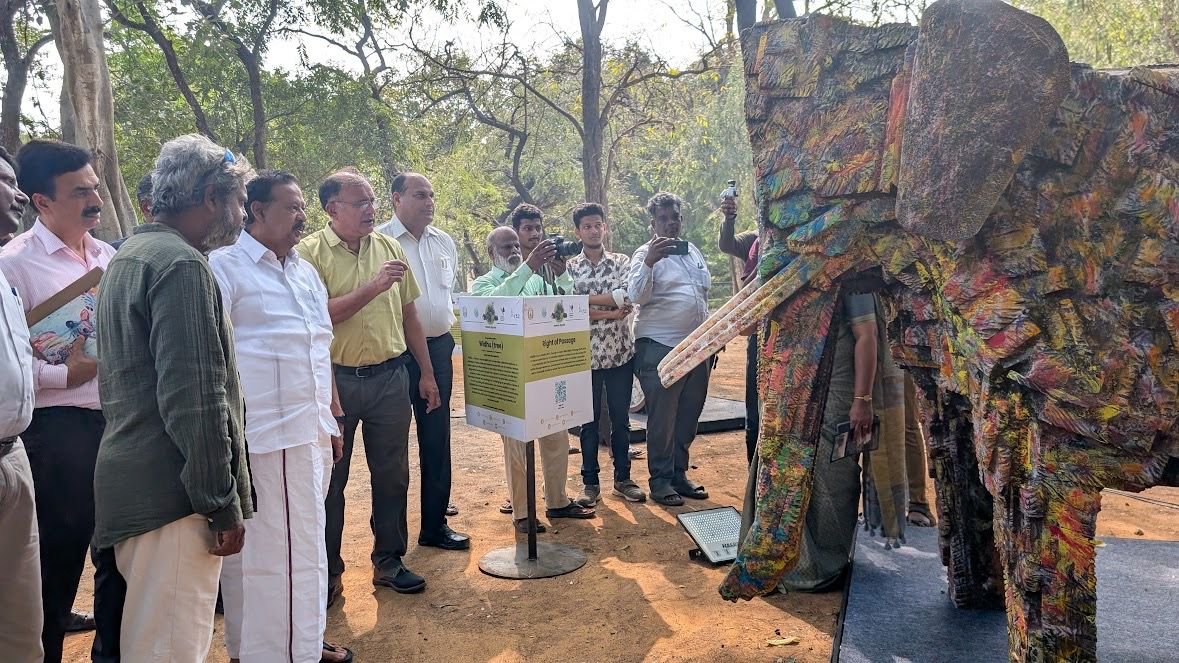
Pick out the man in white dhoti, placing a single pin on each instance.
(275, 590)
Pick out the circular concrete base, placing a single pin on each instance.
(553, 559)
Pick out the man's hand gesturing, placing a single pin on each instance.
(393, 271)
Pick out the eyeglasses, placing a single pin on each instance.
(358, 204)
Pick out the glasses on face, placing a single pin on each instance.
(358, 204)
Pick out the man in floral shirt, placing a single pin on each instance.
(602, 276)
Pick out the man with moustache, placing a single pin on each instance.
(371, 295)
(432, 259)
(21, 618)
(276, 589)
(671, 292)
(602, 275)
(172, 486)
(511, 276)
(62, 440)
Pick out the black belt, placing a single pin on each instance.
(371, 370)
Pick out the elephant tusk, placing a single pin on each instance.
(747, 309)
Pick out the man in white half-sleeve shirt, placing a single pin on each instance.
(275, 590)
(21, 618)
(433, 260)
(669, 281)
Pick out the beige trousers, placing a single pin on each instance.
(554, 463)
(915, 452)
(21, 617)
(171, 592)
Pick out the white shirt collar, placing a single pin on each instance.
(257, 251)
(397, 229)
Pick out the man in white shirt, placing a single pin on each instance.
(275, 590)
(433, 260)
(670, 287)
(21, 618)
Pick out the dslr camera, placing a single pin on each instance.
(565, 248)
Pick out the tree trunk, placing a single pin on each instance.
(592, 143)
(251, 61)
(16, 68)
(77, 30)
(14, 92)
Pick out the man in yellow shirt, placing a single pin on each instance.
(371, 293)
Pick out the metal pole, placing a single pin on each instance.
(531, 465)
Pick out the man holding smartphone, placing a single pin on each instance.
(669, 281)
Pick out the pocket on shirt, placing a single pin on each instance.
(445, 271)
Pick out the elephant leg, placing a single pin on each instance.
(964, 508)
(1045, 535)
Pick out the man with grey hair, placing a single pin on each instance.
(171, 485)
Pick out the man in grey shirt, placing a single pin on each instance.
(671, 291)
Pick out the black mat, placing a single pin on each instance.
(897, 609)
(719, 415)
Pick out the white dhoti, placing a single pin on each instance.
(275, 590)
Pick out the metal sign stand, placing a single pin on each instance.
(525, 561)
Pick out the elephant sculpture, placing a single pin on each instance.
(1020, 215)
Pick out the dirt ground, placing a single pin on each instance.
(639, 597)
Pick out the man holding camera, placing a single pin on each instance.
(602, 275)
(513, 276)
(744, 247)
(669, 281)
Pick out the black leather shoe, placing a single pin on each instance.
(79, 622)
(446, 539)
(399, 579)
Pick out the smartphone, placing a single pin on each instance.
(680, 248)
(848, 443)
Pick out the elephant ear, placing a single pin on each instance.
(987, 78)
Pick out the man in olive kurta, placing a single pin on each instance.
(171, 483)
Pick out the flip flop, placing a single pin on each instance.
(338, 649)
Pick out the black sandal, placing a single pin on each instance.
(670, 499)
(336, 648)
(691, 489)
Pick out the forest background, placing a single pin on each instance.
(497, 101)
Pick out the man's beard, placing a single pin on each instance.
(506, 264)
(224, 232)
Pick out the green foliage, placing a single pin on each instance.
(1109, 33)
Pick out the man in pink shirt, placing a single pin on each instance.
(62, 440)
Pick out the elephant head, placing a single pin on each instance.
(1022, 213)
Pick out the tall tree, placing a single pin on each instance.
(88, 106)
(146, 21)
(21, 39)
(249, 35)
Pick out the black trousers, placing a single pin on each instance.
(379, 403)
(62, 444)
(110, 590)
(616, 383)
(752, 406)
(434, 433)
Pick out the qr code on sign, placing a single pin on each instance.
(562, 394)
